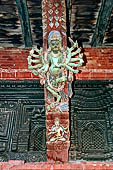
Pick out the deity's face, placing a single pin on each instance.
(57, 123)
(55, 43)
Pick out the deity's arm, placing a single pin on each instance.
(35, 72)
(40, 63)
(71, 69)
(34, 55)
(77, 59)
(51, 133)
(71, 54)
(70, 60)
(68, 55)
(39, 51)
(63, 129)
(75, 65)
(76, 52)
(75, 44)
(65, 132)
(60, 65)
(34, 61)
(35, 66)
(44, 69)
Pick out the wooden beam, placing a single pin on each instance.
(69, 8)
(69, 3)
(68, 17)
(102, 22)
(25, 23)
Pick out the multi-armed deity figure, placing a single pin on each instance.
(56, 69)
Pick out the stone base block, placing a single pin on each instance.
(58, 152)
(59, 156)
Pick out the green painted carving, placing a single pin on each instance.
(56, 66)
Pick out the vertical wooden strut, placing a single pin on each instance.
(57, 123)
(54, 18)
(55, 64)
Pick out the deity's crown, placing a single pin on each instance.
(55, 37)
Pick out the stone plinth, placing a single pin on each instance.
(78, 165)
(57, 152)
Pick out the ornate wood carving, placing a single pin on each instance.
(22, 121)
(92, 121)
(55, 64)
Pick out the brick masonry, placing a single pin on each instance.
(79, 165)
(98, 64)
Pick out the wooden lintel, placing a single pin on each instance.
(102, 22)
(25, 23)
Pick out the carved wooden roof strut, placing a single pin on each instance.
(55, 64)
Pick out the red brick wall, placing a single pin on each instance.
(19, 165)
(99, 64)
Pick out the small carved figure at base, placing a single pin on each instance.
(58, 132)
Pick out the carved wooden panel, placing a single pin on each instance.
(92, 121)
(22, 121)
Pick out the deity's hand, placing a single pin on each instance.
(81, 56)
(31, 52)
(75, 44)
(29, 60)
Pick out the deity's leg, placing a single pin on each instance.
(55, 94)
(61, 79)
